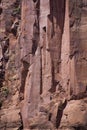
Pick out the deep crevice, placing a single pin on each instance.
(41, 88)
(60, 113)
(44, 28)
(0, 1)
(35, 38)
(34, 46)
(23, 78)
(50, 115)
(21, 126)
(1, 10)
(34, 1)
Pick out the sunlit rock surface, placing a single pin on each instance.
(43, 64)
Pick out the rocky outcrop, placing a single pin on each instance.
(50, 53)
(78, 46)
(10, 118)
(43, 65)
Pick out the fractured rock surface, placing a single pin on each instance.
(43, 64)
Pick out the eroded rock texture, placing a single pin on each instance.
(10, 118)
(43, 64)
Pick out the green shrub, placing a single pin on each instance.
(5, 91)
(17, 10)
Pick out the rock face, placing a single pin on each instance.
(10, 118)
(43, 64)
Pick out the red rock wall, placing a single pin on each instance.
(78, 45)
(9, 78)
(50, 45)
(45, 73)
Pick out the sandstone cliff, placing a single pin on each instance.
(43, 64)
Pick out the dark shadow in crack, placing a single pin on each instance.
(60, 113)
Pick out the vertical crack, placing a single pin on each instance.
(60, 113)
(23, 78)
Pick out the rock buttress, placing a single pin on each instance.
(43, 65)
(51, 72)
